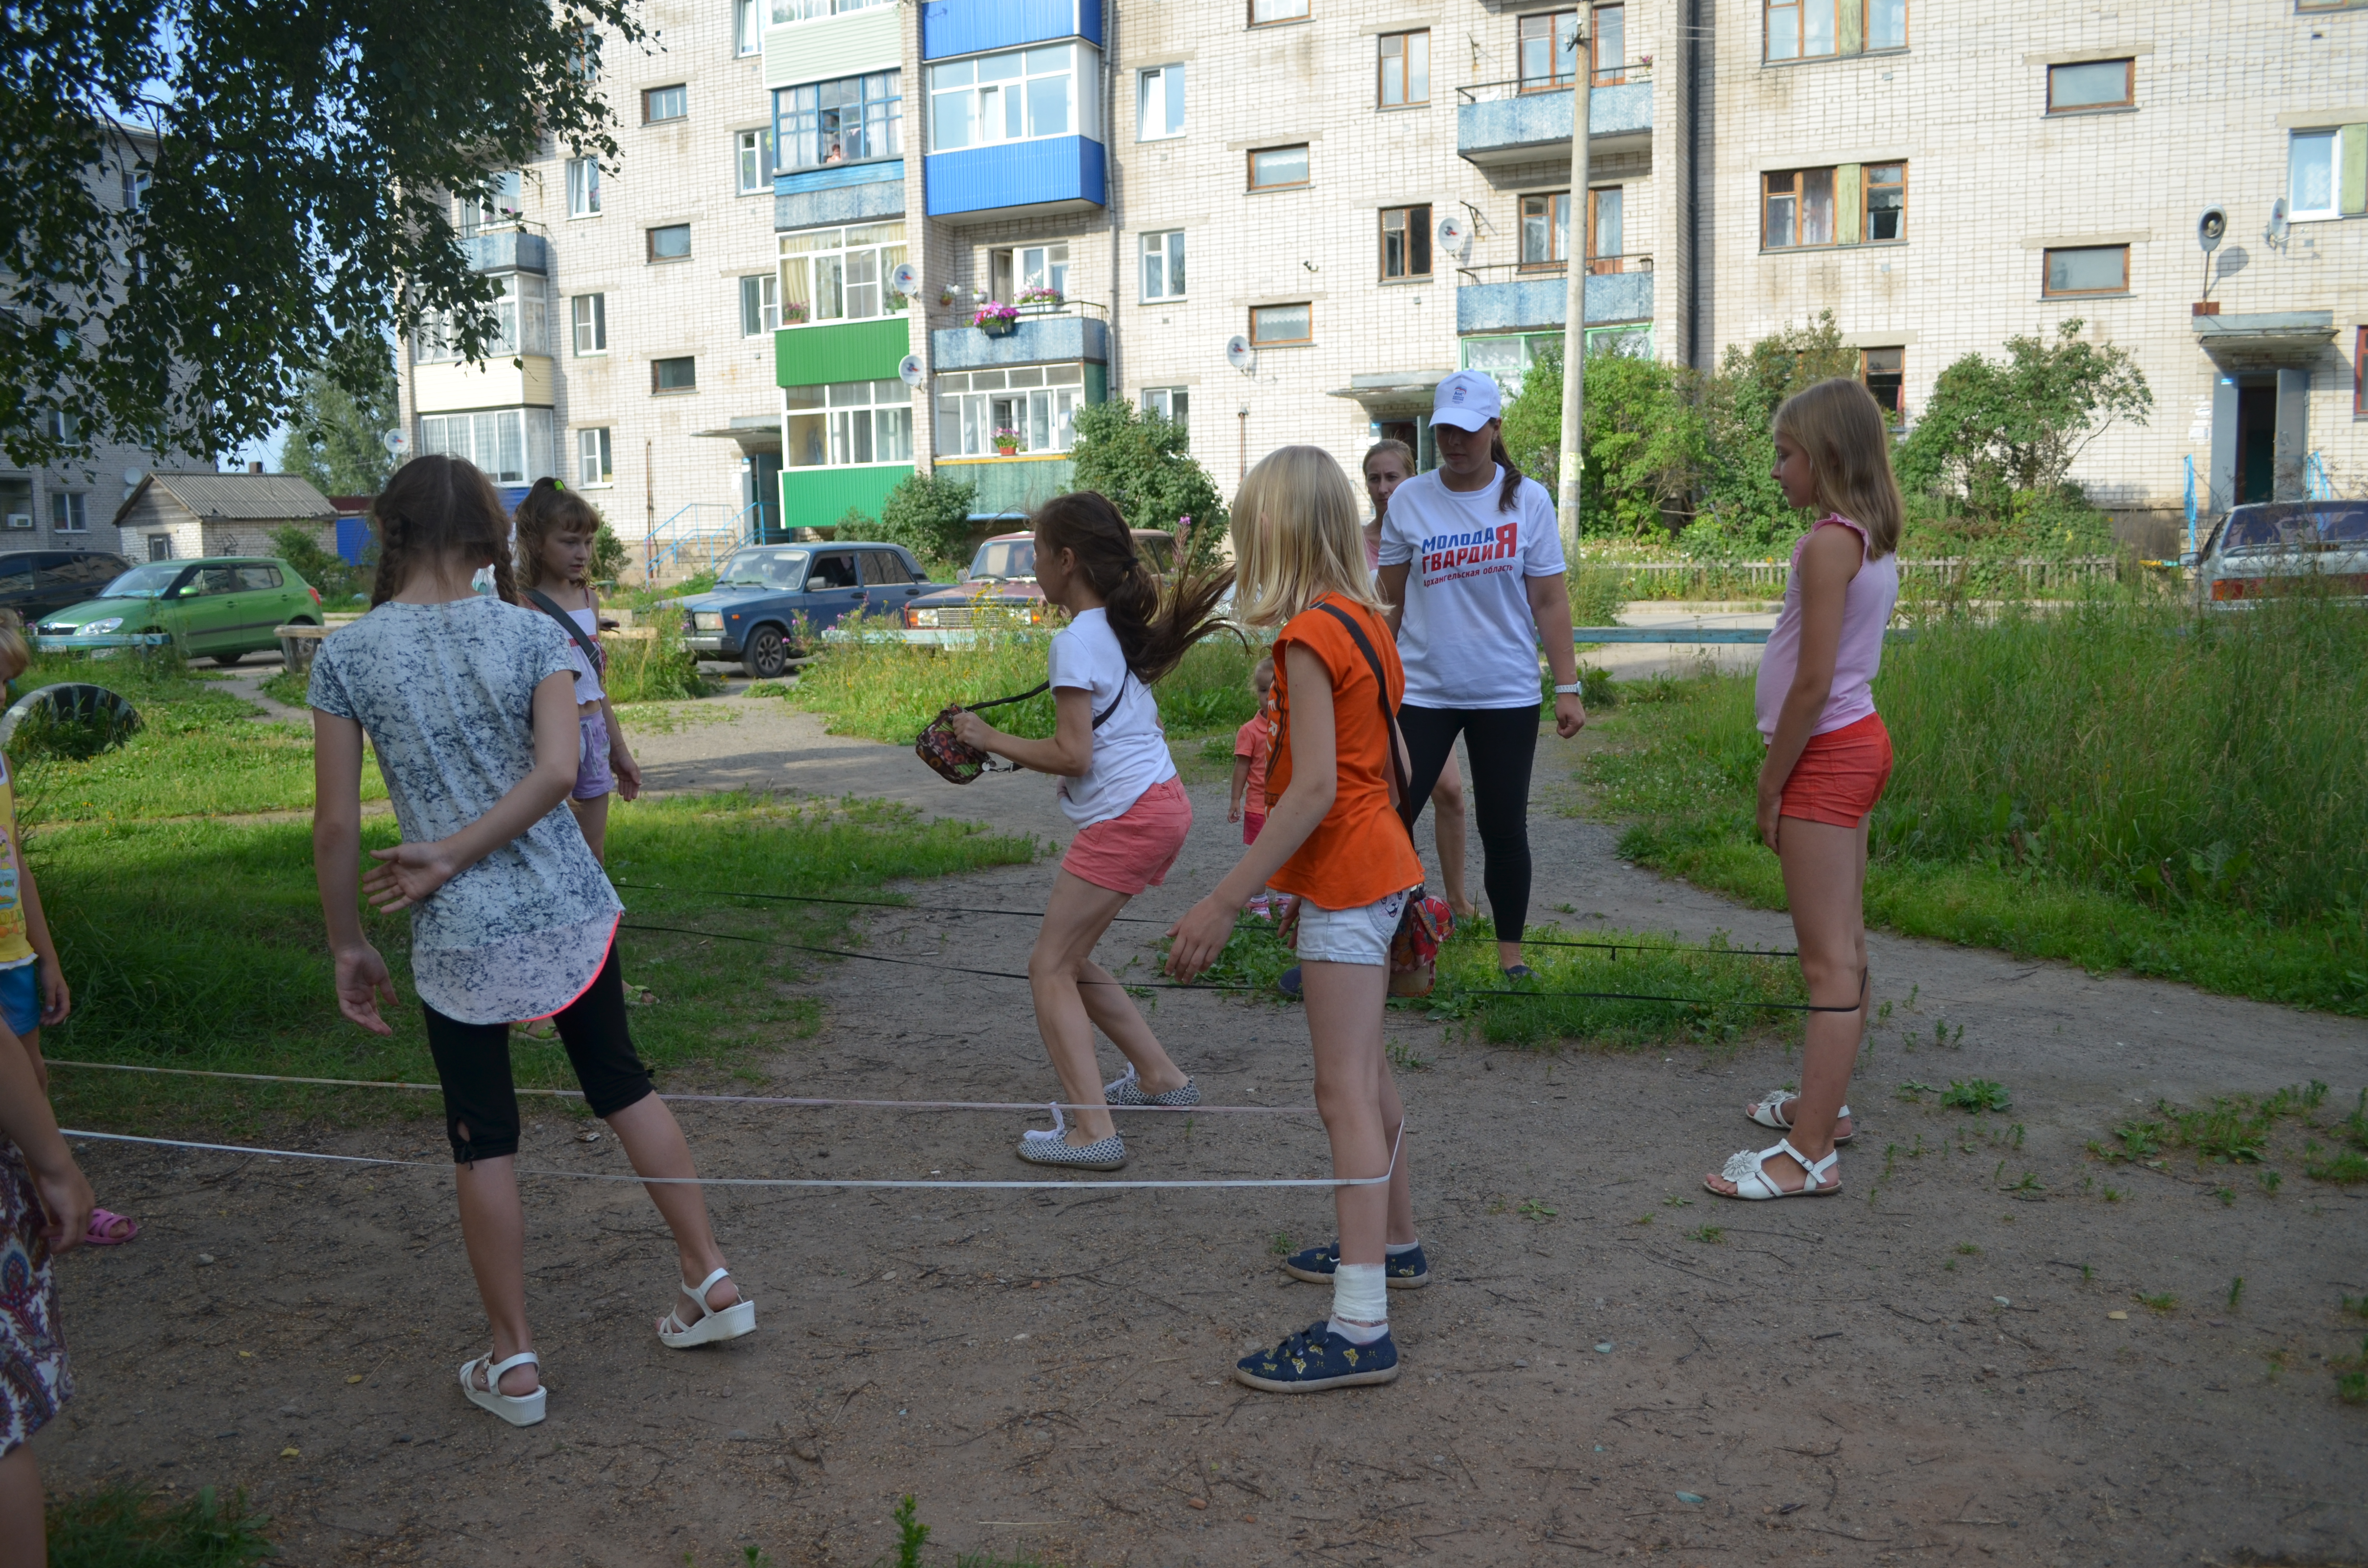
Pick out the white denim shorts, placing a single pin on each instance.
(1350, 936)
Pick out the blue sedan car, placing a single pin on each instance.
(769, 599)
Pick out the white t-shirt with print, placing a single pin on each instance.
(1130, 749)
(1468, 639)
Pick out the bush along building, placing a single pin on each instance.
(848, 241)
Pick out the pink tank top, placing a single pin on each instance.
(1866, 610)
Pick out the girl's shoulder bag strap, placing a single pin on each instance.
(1401, 786)
(1043, 686)
(592, 650)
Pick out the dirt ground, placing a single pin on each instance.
(1926, 1368)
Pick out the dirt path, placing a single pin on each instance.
(1923, 1368)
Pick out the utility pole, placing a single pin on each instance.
(1574, 331)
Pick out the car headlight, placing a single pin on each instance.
(707, 619)
(97, 626)
(921, 618)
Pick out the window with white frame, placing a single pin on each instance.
(845, 120)
(747, 27)
(593, 467)
(1159, 103)
(501, 205)
(848, 423)
(135, 188)
(512, 445)
(1030, 275)
(69, 512)
(752, 156)
(521, 324)
(760, 304)
(1163, 265)
(815, 10)
(589, 317)
(1171, 404)
(1265, 11)
(584, 187)
(1018, 96)
(2310, 174)
(841, 274)
(1038, 404)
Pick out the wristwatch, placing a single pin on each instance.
(1570, 691)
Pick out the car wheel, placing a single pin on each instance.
(767, 655)
(227, 660)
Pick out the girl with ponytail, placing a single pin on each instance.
(1119, 786)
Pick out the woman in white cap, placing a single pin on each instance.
(1471, 555)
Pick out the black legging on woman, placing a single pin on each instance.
(1503, 742)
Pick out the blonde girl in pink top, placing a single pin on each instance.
(1828, 758)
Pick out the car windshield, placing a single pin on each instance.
(1160, 552)
(999, 559)
(2291, 523)
(763, 569)
(145, 582)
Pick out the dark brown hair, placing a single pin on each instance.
(1509, 491)
(437, 506)
(549, 508)
(1153, 633)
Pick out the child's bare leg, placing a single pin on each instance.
(654, 1144)
(493, 1229)
(23, 1530)
(1068, 1008)
(592, 816)
(1358, 1103)
(1447, 827)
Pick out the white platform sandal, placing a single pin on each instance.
(1769, 1111)
(712, 1325)
(1744, 1170)
(518, 1410)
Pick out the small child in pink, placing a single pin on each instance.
(1253, 744)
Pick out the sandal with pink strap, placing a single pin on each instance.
(109, 1229)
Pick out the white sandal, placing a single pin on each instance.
(518, 1410)
(1745, 1171)
(1769, 1111)
(712, 1324)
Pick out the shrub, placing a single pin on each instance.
(337, 580)
(1145, 464)
(929, 517)
(1644, 441)
(1742, 512)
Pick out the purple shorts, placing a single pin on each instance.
(593, 778)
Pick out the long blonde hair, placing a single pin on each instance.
(1839, 425)
(1297, 535)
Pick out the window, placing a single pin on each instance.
(583, 188)
(665, 103)
(1608, 46)
(1886, 202)
(2092, 84)
(512, 445)
(1159, 103)
(589, 314)
(1405, 241)
(60, 424)
(846, 120)
(1163, 265)
(2310, 174)
(1799, 210)
(753, 160)
(674, 375)
(1545, 229)
(135, 188)
(498, 206)
(1406, 69)
(2087, 270)
(1014, 274)
(1549, 51)
(521, 324)
(747, 27)
(592, 462)
(815, 10)
(841, 274)
(1272, 324)
(1884, 371)
(1039, 402)
(1015, 98)
(257, 577)
(1810, 29)
(1265, 11)
(1279, 168)
(1847, 205)
(69, 512)
(1171, 404)
(760, 304)
(849, 423)
(671, 242)
(1607, 241)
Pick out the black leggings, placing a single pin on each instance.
(472, 1061)
(1503, 742)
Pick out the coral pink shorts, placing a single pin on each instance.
(1840, 774)
(1134, 851)
(1251, 822)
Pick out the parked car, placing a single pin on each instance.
(220, 608)
(2269, 547)
(769, 598)
(1002, 576)
(36, 582)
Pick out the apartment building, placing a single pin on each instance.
(847, 240)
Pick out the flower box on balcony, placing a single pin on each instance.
(996, 318)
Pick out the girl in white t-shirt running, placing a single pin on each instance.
(1119, 786)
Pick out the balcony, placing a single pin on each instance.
(506, 250)
(841, 351)
(817, 46)
(1012, 487)
(1496, 122)
(1507, 297)
(950, 28)
(1017, 179)
(1062, 334)
(839, 193)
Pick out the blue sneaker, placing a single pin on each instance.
(1289, 983)
(1316, 1359)
(1400, 1271)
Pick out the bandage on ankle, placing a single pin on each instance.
(1359, 1294)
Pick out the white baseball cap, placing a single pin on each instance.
(1466, 400)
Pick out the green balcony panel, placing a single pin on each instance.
(849, 351)
(1011, 486)
(818, 497)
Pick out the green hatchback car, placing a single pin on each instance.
(221, 608)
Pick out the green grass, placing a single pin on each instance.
(2242, 1130)
(200, 945)
(2121, 785)
(289, 687)
(123, 1526)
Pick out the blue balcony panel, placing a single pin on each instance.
(1041, 340)
(844, 193)
(1017, 179)
(1531, 125)
(950, 28)
(1528, 303)
(508, 250)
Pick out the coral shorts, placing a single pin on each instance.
(1840, 774)
(1251, 822)
(1134, 851)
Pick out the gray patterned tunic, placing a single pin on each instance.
(446, 694)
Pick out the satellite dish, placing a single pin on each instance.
(2276, 233)
(905, 280)
(911, 372)
(396, 442)
(1239, 354)
(1454, 233)
(131, 476)
(2209, 227)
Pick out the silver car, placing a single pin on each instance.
(2272, 546)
